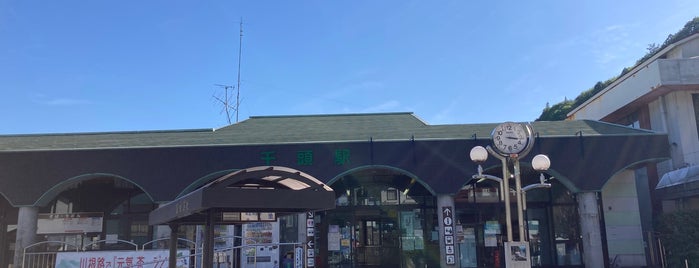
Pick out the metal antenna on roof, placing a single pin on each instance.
(226, 101)
(240, 53)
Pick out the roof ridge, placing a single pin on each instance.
(330, 115)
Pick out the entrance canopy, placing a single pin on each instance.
(680, 183)
(256, 192)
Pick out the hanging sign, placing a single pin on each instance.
(310, 239)
(448, 221)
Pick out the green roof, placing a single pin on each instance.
(300, 129)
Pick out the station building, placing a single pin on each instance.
(393, 175)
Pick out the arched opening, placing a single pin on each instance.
(254, 197)
(383, 218)
(93, 208)
(550, 221)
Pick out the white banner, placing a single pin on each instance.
(120, 259)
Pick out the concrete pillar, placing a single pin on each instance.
(445, 201)
(588, 208)
(26, 231)
(208, 251)
(159, 232)
(303, 238)
(199, 242)
(172, 259)
(3, 237)
(301, 228)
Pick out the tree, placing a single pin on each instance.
(559, 111)
(679, 233)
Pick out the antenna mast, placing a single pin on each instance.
(240, 53)
(225, 100)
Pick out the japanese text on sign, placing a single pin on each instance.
(116, 259)
(340, 157)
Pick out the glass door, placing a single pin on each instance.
(466, 238)
(377, 242)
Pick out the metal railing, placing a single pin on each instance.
(40, 259)
(87, 246)
(167, 239)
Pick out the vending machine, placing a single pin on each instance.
(260, 245)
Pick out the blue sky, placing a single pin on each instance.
(93, 66)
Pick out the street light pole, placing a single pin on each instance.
(518, 189)
(541, 163)
(479, 154)
(506, 191)
(505, 187)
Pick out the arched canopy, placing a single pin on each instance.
(340, 185)
(73, 182)
(279, 190)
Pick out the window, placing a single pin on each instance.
(631, 121)
(635, 124)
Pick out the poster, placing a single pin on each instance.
(491, 231)
(334, 241)
(407, 220)
(491, 241)
(408, 243)
(419, 243)
(492, 227)
(517, 254)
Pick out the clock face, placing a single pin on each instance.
(510, 138)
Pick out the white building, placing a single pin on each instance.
(660, 94)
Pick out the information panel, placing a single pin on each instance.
(448, 220)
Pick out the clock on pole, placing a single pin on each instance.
(512, 139)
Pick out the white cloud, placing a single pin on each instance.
(611, 45)
(58, 101)
(387, 106)
(348, 97)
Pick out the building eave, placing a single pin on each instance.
(631, 73)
